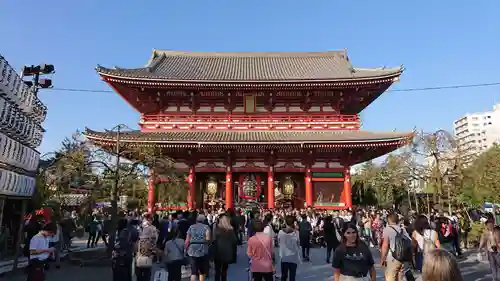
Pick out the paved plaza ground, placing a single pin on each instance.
(78, 244)
(316, 270)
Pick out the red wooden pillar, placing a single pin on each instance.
(151, 192)
(229, 188)
(309, 187)
(270, 187)
(192, 189)
(347, 187)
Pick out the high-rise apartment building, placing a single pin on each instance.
(477, 132)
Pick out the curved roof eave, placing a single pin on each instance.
(393, 73)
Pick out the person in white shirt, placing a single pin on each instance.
(40, 252)
(268, 229)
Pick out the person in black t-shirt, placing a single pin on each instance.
(353, 258)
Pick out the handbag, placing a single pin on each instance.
(143, 261)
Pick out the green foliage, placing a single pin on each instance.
(42, 191)
(173, 192)
(384, 185)
(476, 231)
(483, 181)
(436, 162)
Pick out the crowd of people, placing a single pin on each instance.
(209, 239)
(202, 240)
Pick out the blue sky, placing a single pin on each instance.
(439, 42)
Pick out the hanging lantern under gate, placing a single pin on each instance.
(288, 188)
(249, 186)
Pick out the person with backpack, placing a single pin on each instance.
(123, 251)
(396, 249)
(424, 239)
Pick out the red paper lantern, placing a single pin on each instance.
(241, 188)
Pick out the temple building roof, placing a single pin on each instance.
(177, 66)
(354, 138)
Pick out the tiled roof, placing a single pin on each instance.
(277, 66)
(250, 137)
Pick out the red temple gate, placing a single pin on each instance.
(282, 126)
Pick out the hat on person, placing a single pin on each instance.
(200, 218)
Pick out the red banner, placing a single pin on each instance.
(241, 190)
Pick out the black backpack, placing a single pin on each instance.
(402, 251)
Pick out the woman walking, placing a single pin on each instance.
(225, 243)
(353, 259)
(198, 238)
(174, 255)
(261, 254)
(445, 235)
(146, 249)
(288, 241)
(378, 229)
(489, 245)
(424, 239)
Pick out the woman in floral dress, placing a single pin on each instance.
(378, 228)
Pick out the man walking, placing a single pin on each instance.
(395, 246)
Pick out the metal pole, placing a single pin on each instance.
(2, 204)
(449, 199)
(428, 205)
(416, 203)
(20, 235)
(36, 79)
(409, 199)
(114, 192)
(493, 205)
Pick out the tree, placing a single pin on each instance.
(483, 177)
(393, 181)
(364, 189)
(42, 191)
(68, 168)
(62, 170)
(382, 184)
(440, 162)
(120, 172)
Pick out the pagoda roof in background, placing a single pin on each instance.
(348, 138)
(178, 66)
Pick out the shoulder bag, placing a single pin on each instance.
(268, 253)
(184, 260)
(143, 261)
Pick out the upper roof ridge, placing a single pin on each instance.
(171, 65)
(157, 52)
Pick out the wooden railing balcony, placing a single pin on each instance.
(282, 118)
